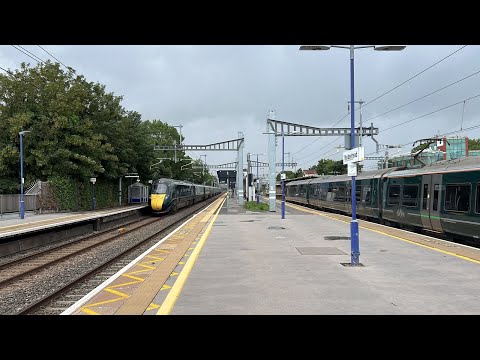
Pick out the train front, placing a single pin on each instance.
(160, 197)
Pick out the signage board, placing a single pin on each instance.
(354, 155)
(352, 169)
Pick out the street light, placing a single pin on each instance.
(22, 201)
(355, 248)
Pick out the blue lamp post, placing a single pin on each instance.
(355, 247)
(22, 181)
(283, 175)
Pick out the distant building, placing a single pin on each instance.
(443, 149)
(309, 173)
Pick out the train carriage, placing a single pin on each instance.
(169, 195)
(443, 197)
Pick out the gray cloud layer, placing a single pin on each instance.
(217, 91)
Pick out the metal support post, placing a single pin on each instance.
(355, 248)
(272, 193)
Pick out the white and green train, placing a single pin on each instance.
(443, 197)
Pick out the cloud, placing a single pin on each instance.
(217, 91)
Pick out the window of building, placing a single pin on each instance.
(457, 198)
(410, 195)
(393, 194)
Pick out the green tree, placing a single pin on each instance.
(329, 167)
(288, 173)
(474, 144)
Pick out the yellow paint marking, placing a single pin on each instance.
(185, 255)
(181, 263)
(154, 257)
(173, 295)
(393, 236)
(133, 277)
(161, 250)
(89, 312)
(165, 287)
(174, 274)
(124, 284)
(153, 306)
(102, 302)
(191, 248)
(140, 271)
(118, 293)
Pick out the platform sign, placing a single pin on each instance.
(354, 155)
(352, 169)
(283, 176)
(93, 180)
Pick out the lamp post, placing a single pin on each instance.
(22, 181)
(355, 248)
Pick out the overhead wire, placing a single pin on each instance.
(392, 89)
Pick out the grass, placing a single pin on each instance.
(253, 206)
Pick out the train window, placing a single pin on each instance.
(366, 194)
(410, 194)
(160, 189)
(358, 193)
(477, 206)
(457, 198)
(339, 193)
(425, 197)
(436, 188)
(394, 195)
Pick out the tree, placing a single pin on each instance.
(330, 167)
(289, 174)
(473, 144)
(78, 130)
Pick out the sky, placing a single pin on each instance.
(215, 92)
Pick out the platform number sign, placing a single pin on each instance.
(283, 176)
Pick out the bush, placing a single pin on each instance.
(253, 206)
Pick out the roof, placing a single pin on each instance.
(310, 172)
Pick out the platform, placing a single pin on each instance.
(35, 230)
(258, 263)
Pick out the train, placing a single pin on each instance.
(443, 197)
(169, 195)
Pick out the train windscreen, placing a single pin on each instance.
(160, 188)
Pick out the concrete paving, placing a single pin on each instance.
(250, 264)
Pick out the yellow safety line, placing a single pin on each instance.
(89, 312)
(171, 299)
(393, 236)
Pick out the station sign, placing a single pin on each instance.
(354, 155)
(352, 169)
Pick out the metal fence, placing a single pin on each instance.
(10, 203)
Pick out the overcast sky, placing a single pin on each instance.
(217, 91)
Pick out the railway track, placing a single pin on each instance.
(15, 269)
(95, 274)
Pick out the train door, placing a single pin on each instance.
(435, 201)
(425, 206)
